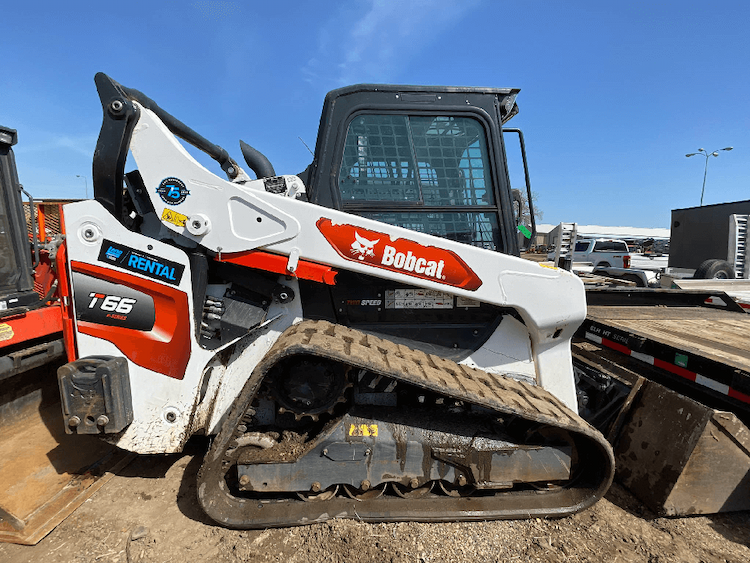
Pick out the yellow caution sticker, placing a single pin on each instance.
(6, 332)
(171, 216)
(548, 266)
(363, 430)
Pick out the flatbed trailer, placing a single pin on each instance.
(665, 375)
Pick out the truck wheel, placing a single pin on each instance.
(714, 269)
(603, 265)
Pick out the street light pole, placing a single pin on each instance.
(85, 183)
(702, 152)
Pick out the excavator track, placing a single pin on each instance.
(508, 397)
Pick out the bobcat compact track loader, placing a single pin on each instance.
(361, 339)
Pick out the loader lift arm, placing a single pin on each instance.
(119, 118)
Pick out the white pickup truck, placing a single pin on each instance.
(602, 252)
(609, 257)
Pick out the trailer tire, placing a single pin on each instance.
(714, 269)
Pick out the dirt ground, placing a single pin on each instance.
(149, 513)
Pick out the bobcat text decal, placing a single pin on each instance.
(401, 255)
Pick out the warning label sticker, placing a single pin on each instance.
(363, 430)
(171, 216)
(418, 299)
(6, 332)
(467, 302)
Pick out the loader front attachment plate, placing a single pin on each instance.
(393, 434)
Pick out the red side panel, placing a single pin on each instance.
(277, 264)
(44, 274)
(31, 325)
(166, 347)
(66, 302)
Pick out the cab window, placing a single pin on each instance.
(426, 173)
(610, 246)
(9, 269)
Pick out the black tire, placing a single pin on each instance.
(714, 269)
(603, 265)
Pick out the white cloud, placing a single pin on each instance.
(49, 164)
(380, 42)
(83, 145)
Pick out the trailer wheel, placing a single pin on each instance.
(714, 269)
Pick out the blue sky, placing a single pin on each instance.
(613, 94)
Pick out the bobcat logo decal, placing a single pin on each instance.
(363, 247)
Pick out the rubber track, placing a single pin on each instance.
(502, 394)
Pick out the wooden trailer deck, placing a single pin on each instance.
(720, 335)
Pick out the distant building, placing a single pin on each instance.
(703, 233)
(548, 234)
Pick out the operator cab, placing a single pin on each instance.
(430, 159)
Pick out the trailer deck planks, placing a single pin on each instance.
(716, 334)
